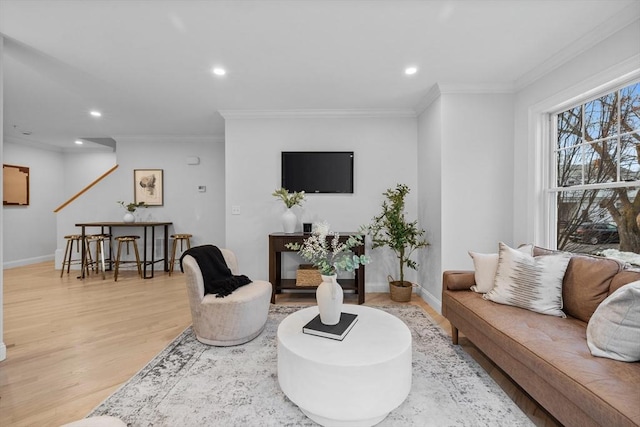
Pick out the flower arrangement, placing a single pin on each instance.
(330, 255)
(289, 199)
(131, 207)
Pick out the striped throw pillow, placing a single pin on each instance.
(533, 283)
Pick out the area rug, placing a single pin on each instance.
(192, 384)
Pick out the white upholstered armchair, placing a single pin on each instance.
(232, 320)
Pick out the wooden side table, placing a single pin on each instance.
(277, 245)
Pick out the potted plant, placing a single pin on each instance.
(131, 208)
(289, 219)
(325, 251)
(391, 228)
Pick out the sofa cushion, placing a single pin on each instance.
(627, 275)
(586, 284)
(534, 283)
(614, 328)
(485, 267)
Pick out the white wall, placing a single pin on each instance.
(191, 211)
(466, 193)
(30, 231)
(612, 58)
(3, 347)
(430, 200)
(477, 188)
(385, 154)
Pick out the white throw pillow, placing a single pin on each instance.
(485, 267)
(614, 329)
(533, 283)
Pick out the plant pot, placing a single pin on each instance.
(400, 291)
(129, 217)
(289, 221)
(329, 297)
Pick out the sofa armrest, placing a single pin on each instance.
(458, 280)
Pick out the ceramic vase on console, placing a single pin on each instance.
(289, 220)
(128, 217)
(329, 297)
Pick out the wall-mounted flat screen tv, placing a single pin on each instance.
(318, 171)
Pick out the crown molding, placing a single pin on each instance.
(622, 19)
(439, 89)
(213, 138)
(432, 94)
(476, 88)
(18, 140)
(314, 114)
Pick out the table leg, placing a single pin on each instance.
(153, 248)
(84, 254)
(166, 248)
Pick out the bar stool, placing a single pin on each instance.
(127, 240)
(182, 238)
(68, 252)
(99, 244)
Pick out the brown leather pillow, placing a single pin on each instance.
(586, 284)
(624, 277)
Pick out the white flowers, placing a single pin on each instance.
(330, 256)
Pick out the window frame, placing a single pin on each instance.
(542, 133)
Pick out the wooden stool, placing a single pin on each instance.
(99, 241)
(183, 238)
(126, 240)
(68, 252)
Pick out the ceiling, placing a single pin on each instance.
(146, 65)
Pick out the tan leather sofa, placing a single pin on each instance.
(547, 355)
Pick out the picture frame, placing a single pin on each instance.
(15, 184)
(148, 186)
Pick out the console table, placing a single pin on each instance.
(277, 245)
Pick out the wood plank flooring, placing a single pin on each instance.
(71, 343)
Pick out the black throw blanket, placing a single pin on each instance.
(217, 276)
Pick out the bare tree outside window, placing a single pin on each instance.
(597, 173)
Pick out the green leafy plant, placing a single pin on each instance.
(325, 251)
(131, 207)
(289, 199)
(390, 228)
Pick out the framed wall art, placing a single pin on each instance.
(15, 185)
(148, 186)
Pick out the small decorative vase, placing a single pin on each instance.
(128, 217)
(329, 297)
(289, 221)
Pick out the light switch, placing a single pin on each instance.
(202, 188)
(235, 210)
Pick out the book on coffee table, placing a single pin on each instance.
(336, 332)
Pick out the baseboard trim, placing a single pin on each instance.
(27, 261)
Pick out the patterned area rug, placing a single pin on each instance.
(192, 384)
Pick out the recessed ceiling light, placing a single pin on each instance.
(95, 113)
(409, 71)
(79, 142)
(219, 71)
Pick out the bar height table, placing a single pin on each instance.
(146, 226)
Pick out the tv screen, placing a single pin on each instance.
(318, 171)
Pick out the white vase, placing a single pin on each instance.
(289, 221)
(329, 297)
(128, 217)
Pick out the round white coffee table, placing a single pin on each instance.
(354, 382)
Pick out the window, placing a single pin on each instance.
(597, 173)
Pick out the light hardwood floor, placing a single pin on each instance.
(71, 343)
